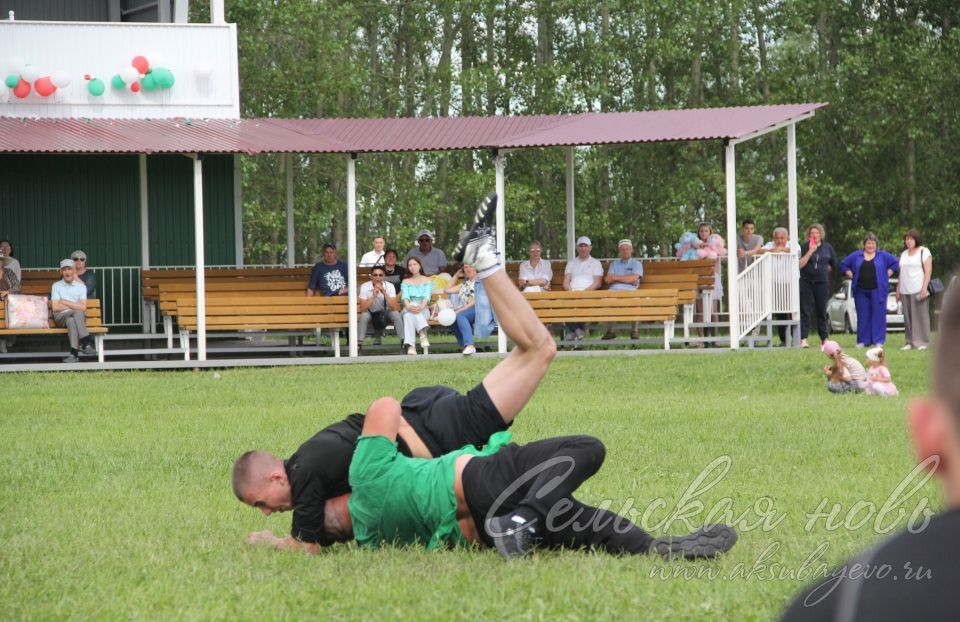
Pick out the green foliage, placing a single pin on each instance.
(881, 157)
(116, 502)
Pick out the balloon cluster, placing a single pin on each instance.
(140, 75)
(21, 75)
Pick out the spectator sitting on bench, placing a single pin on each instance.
(394, 273)
(374, 257)
(624, 273)
(329, 275)
(536, 273)
(474, 314)
(433, 260)
(68, 299)
(583, 273)
(87, 276)
(9, 284)
(377, 302)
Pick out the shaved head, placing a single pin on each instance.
(252, 468)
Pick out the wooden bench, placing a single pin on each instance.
(264, 313)
(94, 325)
(637, 305)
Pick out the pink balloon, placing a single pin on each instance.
(141, 63)
(44, 87)
(22, 89)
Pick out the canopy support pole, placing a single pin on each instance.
(291, 250)
(794, 228)
(146, 308)
(500, 162)
(237, 211)
(352, 255)
(200, 257)
(733, 293)
(571, 216)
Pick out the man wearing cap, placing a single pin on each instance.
(914, 574)
(68, 299)
(583, 273)
(624, 273)
(330, 275)
(87, 276)
(432, 259)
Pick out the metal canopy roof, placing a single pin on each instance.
(267, 135)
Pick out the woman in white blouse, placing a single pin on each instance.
(536, 273)
(916, 266)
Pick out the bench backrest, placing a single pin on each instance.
(265, 312)
(701, 268)
(94, 319)
(644, 305)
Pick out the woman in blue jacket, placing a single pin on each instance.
(870, 270)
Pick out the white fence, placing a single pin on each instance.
(767, 287)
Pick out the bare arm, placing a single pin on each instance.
(289, 543)
(566, 281)
(63, 305)
(597, 282)
(383, 418)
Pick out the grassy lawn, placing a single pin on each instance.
(115, 500)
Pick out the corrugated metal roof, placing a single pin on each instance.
(384, 135)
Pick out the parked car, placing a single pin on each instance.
(843, 313)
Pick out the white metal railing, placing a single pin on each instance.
(766, 288)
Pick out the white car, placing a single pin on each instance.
(843, 312)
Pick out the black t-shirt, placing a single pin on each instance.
(818, 266)
(398, 274)
(868, 275)
(912, 576)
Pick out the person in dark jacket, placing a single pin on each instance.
(817, 261)
(870, 270)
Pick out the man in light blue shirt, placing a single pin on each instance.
(68, 299)
(624, 273)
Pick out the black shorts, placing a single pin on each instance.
(446, 420)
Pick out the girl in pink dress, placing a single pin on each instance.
(879, 381)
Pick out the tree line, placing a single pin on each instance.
(882, 157)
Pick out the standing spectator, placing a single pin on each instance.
(431, 259)
(624, 273)
(916, 268)
(377, 302)
(535, 273)
(870, 269)
(394, 273)
(782, 272)
(87, 276)
(68, 299)
(374, 257)
(817, 261)
(415, 293)
(583, 273)
(6, 250)
(704, 231)
(748, 244)
(329, 275)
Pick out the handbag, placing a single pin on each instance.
(935, 286)
(27, 311)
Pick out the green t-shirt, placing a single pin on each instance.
(400, 500)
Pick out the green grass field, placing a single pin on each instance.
(115, 500)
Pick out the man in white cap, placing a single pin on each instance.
(624, 273)
(432, 259)
(68, 299)
(583, 273)
(87, 276)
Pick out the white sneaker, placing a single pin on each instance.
(908, 347)
(411, 350)
(861, 346)
(921, 347)
(481, 253)
(468, 350)
(424, 342)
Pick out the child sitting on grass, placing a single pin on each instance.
(879, 381)
(845, 374)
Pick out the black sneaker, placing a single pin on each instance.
(482, 225)
(73, 358)
(513, 536)
(708, 541)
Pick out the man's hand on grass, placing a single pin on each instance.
(264, 537)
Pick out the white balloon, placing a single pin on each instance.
(446, 317)
(61, 79)
(204, 68)
(29, 73)
(15, 65)
(130, 74)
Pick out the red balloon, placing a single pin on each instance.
(22, 89)
(135, 87)
(87, 76)
(44, 86)
(141, 63)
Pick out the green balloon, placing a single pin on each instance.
(163, 77)
(12, 81)
(95, 87)
(148, 83)
(117, 82)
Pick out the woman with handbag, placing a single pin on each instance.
(916, 267)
